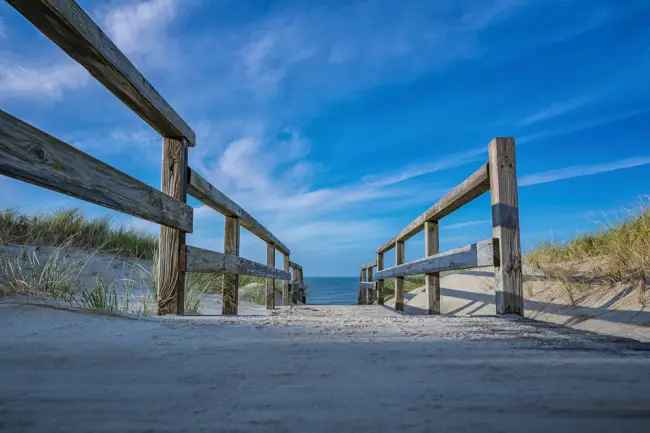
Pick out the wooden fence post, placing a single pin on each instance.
(380, 283)
(399, 281)
(270, 282)
(285, 284)
(360, 295)
(172, 255)
(292, 285)
(369, 293)
(432, 281)
(302, 297)
(231, 281)
(505, 225)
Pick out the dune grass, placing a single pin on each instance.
(411, 283)
(57, 275)
(619, 253)
(72, 228)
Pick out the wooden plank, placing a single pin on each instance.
(361, 294)
(270, 283)
(505, 226)
(33, 156)
(295, 266)
(380, 282)
(217, 200)
(206, 261)
(231, 279)
(285, 284)
(171, 246)
(432, 280)
(468, 190)
(68, 26)
(303, 287)
(363, 289)
(369, 285)
(399, 281)
(475, 255)
(371, 290)
(294, 283)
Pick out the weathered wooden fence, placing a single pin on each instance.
(502, 252)
(33, 156)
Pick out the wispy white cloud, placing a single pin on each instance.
(581, 170)
(139, 28)
(576, 127)
(337, 234)
(556, 109)
(413, 171)
(337, 50)
(466, 224)
(39, 81)
(117, 141)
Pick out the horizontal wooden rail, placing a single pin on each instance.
(475, 185)
(367, 284)
(475, 255)
(201, 189)
(68, 26)
(31, 155)
(206, 261)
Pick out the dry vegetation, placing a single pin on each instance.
(56, 275)
(620, 253)
(410, 283)
(71, 228)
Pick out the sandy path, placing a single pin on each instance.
(314, 369)
(612, 311)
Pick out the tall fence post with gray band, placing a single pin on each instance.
(505, 226)
(502, 252)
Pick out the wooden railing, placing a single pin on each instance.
(502, 252)
(33, 156)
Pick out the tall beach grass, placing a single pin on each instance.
(72, 228)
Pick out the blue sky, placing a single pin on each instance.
(337, 123)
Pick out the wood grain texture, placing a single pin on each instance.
(380, 282)
(432, 280)
(270, 283)
(476, 255)
(505, 225)
(206, 261)
(371, 295)
(33, 156)
(231, 279)
(302, 292)
(361, 297)
(68, 26)
(202, 189)
(286, 300)
(294, 283)
(472, 187)
(399, 281)
(171, 246)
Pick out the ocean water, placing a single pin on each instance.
(332, 290)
